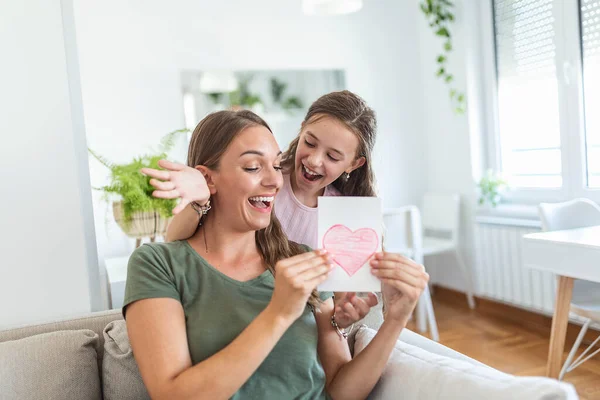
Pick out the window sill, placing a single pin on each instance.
(520, 215)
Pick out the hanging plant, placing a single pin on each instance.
(439, 17)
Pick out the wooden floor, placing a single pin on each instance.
(506, 346)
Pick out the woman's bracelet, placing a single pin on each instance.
(201, 209)
(342, 332)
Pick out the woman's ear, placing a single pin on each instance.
(208, 177)
(359, 162)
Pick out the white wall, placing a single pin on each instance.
(46, 240)
(453, 155)
(131, 55)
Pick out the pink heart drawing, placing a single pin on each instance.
(350, 250)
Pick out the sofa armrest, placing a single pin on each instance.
(419, 368)
(414, 339)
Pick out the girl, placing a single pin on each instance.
(330, 157)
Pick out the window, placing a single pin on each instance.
(590, 30)
(528, 114)
(547, 97)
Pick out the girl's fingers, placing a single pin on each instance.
(166, 164)
(351, 311)
(341, 297)
(169, 194)
(372, 300)
(360, 306)
(160, 185)
(155, 173)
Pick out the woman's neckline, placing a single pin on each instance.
(212, 268)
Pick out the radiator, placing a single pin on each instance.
(499, 273)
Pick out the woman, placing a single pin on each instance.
(233, 311)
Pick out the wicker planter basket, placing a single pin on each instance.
(143, 224)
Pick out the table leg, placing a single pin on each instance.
(560, 321)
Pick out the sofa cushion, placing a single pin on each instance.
(57, 365)
(413, 373)
(121, 378)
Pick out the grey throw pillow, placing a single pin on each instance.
(121, 378)
(57, 365)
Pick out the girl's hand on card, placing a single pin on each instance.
(349, 308)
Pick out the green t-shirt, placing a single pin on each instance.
(218, 308)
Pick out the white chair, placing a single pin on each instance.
(578, 213)
(403, 225)
(441, 224)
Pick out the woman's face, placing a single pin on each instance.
(326, 150)
(247, 180)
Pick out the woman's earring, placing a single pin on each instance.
(347, 176)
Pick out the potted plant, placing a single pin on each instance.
(277, 90)
(243, 98)
(289, 104)
(490, 188)
(135, 210)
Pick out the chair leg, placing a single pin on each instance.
(426, 316)
(567, 364)
(467, 276)
(421, 314)
(433, 328)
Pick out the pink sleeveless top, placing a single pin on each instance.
(298, 221)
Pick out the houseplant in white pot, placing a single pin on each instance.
(136, 211)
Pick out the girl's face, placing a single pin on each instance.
(326, 150)
(248, 179)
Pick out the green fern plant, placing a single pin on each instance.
(439, 16)
(133, 187)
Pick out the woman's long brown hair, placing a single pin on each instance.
(209, 141)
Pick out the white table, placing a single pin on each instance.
(116, 272)
(570, 254)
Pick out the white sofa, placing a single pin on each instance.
(89, 357)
